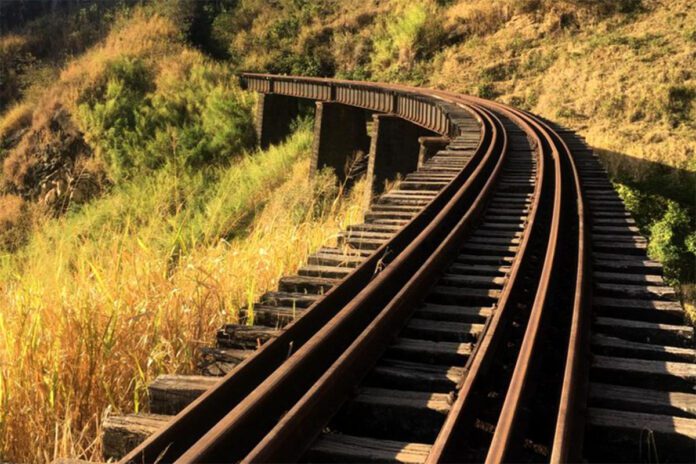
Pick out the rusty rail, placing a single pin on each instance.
(410, 104)
(568, 218)
(235, 435)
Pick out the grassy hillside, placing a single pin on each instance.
(136, 214)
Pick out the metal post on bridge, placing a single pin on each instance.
(429, 146)
(395, 150)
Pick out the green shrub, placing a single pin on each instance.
(672, 243)
(670, 228)
(499, 71)
(486, 90)
(114, 120)
(411, 33)
(647, 209)
(188, 115)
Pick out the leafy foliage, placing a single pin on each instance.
(671, 229)
(189, 115)
(411, 33)
(672, 240)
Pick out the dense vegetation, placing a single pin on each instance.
(136, 214)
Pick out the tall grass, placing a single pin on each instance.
(106, 298)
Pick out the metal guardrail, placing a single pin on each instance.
(429, 112)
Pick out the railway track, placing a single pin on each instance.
(496, 305)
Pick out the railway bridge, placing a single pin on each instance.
(497, 304)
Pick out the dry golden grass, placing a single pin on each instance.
(86, 325)
(145, 36)
(611, 78)
(11, 43)
(15, 222)
(136, 34)
(477, 18)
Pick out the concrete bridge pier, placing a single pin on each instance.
(395, 150)
(340, 137)
(274, 115)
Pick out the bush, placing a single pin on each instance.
(190, 114)
(670, 228)
(486, 90)
(672, 242)
(646, 209)
(114, 120)
(499, 71)
(412, 33)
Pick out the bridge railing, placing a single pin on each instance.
(426, 111)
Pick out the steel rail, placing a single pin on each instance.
(190, 424)
(568, 430)
(290, 438)
(247, 424)
(449, 444)
(568, 435)
(509, 421)
(304, 422)
(444, 448)
(508, 429)
(257, 400)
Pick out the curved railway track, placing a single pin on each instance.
(456, 324)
